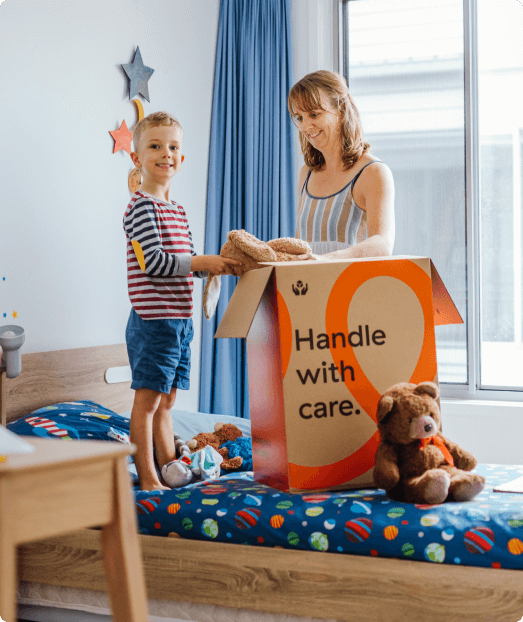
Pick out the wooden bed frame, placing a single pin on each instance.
(323, 585)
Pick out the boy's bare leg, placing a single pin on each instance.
(145, 404)
(163, 436)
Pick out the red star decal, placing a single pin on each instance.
(122, 138)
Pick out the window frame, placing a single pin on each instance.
(471, 390)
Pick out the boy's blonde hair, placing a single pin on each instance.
(306, 94)
(155, 119)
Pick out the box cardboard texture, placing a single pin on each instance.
(324, 341)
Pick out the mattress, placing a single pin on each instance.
(487, 531)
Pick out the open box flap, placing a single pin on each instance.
(237, 319)
(445, 311)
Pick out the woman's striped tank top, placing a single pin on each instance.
(333, 222)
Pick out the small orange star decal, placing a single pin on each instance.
(122, 138)
(15, 314)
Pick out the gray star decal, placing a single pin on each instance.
(138, 75)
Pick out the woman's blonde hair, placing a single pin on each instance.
(306, 95)
(155, 119)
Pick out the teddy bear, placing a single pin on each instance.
(223, 432)
(414, 461)
(246, 248)
(204, 464)
(201, 458)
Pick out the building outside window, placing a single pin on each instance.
(438, 86)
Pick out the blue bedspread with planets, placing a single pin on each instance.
(487, 531)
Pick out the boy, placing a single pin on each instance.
(160, 259)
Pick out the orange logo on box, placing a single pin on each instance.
(364, 392)
(337, 311)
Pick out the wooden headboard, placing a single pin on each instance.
(66, 375)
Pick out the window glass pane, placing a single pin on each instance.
(500, 85)
(406, 73)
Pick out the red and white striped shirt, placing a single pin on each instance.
(164, 289)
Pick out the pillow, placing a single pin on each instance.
(73, 420)
(84, 420)
(188, 423)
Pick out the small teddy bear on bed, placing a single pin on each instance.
(223, 432)
(414, 461)
(246, 248)
(204, 456)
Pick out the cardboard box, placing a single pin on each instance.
(324, 341)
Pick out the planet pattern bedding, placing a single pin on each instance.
(487, 531)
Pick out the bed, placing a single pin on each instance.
(204, 579)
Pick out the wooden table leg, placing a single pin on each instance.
(8, 568)
(3, 400)
(8, 582)
(121, 553)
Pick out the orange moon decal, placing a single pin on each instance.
(139, 110)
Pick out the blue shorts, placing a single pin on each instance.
(159, 353)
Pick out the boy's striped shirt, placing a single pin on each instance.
(164, 289)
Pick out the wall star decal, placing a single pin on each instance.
(122, 138)
(138, 75)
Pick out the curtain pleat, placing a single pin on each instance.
(251, 182)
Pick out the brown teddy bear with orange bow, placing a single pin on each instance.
(414, 461)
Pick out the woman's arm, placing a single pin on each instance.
(374, 193)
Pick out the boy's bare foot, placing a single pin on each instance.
(153, 485)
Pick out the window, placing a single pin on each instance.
(438, 87)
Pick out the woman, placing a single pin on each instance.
(346, 195)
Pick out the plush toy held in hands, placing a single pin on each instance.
(414, 461)
(249, 250)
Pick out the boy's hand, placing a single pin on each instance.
(214, 264)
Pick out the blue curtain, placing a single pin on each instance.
(251, 183)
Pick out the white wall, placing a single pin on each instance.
(62, 246)
(313, 39)
(314, 44)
